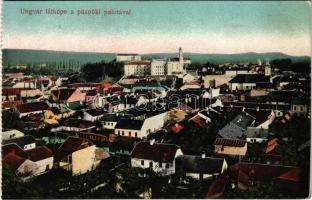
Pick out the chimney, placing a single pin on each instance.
(203, 155)
(152, 142)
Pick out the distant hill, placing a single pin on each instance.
(19, 56)
(236, 58)
(24, 56)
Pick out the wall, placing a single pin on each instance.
(83, 160)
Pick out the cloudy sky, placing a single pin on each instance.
(199, 27)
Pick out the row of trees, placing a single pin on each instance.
(97, 72)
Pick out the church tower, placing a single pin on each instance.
(267, 69)
(180, 55)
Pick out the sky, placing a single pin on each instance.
(162, 27)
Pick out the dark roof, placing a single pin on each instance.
(79, 123)
(243, 120)
(95, 112)
(71, 145)
(8, 91)
(230, 142)
(301, 101)
(249, 78)
(260, 116)
(197, 164)
(110, 117)
(39, 153)
(32, 107)
(129, 124)
(63, 94)
(21, 141)
(157, 152)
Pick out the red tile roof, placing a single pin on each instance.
(198, 120)
(217, 187)
(13, 156)
(273, 146)
(157, 152)
(11, 104)
(291, 175)
(7, 91)
(13, 161)
(39, 153)
(263, 172)
(177, 128)
(139, 62)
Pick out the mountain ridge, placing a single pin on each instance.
(32, 56)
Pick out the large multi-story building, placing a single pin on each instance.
(157, 67)
(137, 68)
(127, 57)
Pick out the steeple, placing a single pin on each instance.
(180, 55)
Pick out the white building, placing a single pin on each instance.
(6, 135)
(140, 128)
(137, 68)
(170, 66)
(127, 57)
(157, 156)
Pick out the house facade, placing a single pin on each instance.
(156, 156)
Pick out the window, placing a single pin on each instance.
(118, 132)
(130, 133)
(122, 133)
(167, 165)
(142, 162)
(301, 108)
(136, 134)
(47, 168)
(295, 107)
(151, 164)
(160, 164)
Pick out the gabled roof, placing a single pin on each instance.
(32, 107)
(177, 128)
(39, 153)
(249, 78)
(71, 145)
(291, 175)
(230, 142)
(157, 152)
(13, 156)
(198, 120)
(260, 115)
(129, 124)
(21, 141)
(12, 149)
(13, 161)
(197, 164)
(217, 187)
(263, 172)
(63, 94)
